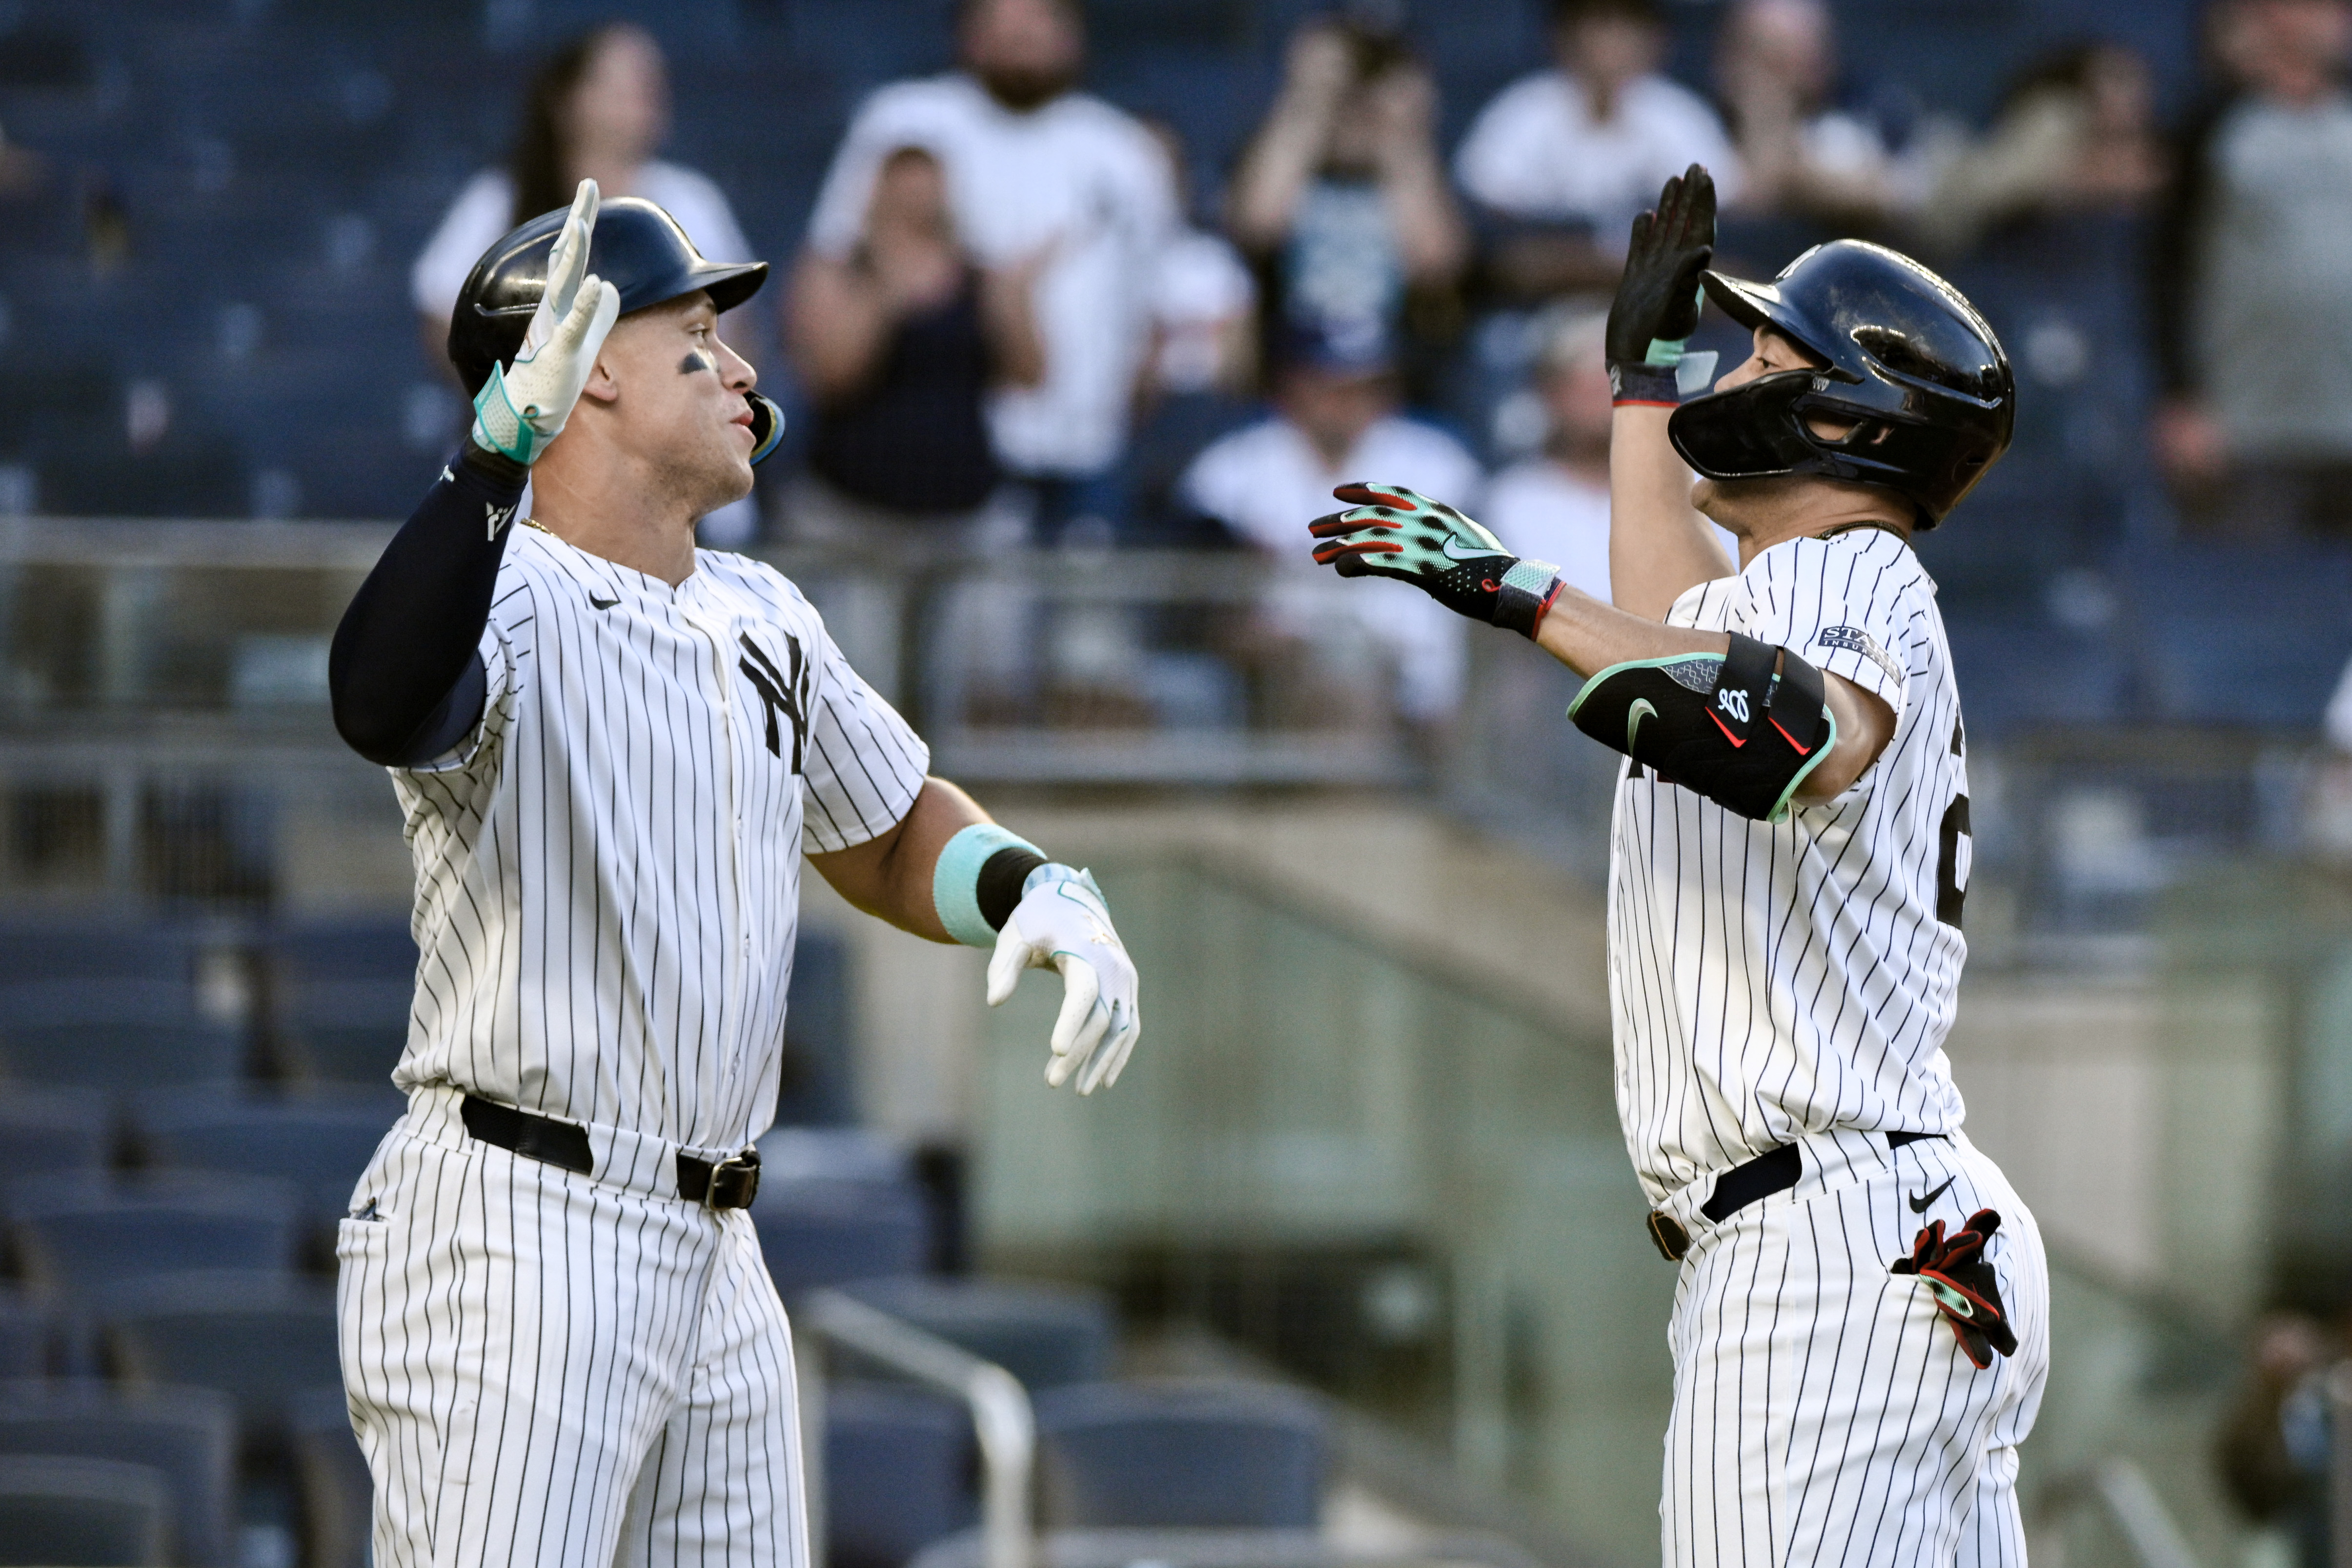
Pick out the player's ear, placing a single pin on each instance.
(603, 385)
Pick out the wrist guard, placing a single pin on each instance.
(1722, 725)
(981, 875)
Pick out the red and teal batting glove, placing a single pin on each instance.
(1391, 531)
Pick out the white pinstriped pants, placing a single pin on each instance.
(1823, 1413)
(544, 1369)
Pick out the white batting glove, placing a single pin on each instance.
(524, 407)
(1062, 922)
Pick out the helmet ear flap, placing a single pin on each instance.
(767, 427)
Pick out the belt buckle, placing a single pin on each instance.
(734, 1182)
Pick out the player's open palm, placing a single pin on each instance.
(1062, 924)
(525, 405)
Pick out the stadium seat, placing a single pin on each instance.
(345, 989)
(899, 1472)
(332, 1479)
(100, 1512)
(1216, 1455)
(79, 1234)
(83, 950)
(817, 1233)
(113, 1034)
(54, 1130)
(832, 1155)
(816, 1089)
(27, 1336)
(318, 1138)
(1047, 1336)
(186, 1434)
(262, 1338)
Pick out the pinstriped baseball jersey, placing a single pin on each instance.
(608, 870)
(1770, 980)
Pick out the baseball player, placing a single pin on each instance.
(558, 1338)
(1860, 1331)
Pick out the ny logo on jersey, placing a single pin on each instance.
(778, 694)
(1733, 702)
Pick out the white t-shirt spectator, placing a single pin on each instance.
(1540, 508)
(484, 211)
(1077, 173)
(1537, 154)
(1267, 482)
(1198, 290)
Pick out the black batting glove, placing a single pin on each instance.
(1657, 304)
(1962, 1281)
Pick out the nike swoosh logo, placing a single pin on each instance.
(1919, 1205)
(1477, 555)
(602, 603)
(1633, 716)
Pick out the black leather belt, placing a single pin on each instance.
(1774, 1171)
(729, 1185)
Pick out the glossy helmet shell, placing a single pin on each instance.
(637, 247)
(1907, 360)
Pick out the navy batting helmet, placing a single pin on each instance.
(637, 247)
(1908, 362)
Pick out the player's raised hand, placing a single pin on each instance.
(524, 405)
(1062, 924)
(1657, 304)
(1391, 531)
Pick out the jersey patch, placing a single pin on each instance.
(1854, 639)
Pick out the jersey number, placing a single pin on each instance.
(1952, 862)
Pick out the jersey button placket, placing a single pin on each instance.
(739, 950)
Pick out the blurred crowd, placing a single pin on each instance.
(1018, 321)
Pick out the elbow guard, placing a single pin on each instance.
(1723, 725)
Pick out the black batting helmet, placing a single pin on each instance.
(636, 247)
(1908, 362)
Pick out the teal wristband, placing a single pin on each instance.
(955, 880)
(498, 426)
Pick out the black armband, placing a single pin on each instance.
(998, 892)
(1723, 725)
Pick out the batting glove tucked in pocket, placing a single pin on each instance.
(1062, 924)
(1966, 1292)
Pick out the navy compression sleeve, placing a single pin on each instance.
(406, 670)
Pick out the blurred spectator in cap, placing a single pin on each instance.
(1030, 162)
(598, 109)
(1341, 201)
(1203, 301)
(1338, 418)
(897, 345)
(1802, 154)
(2253, 278)
(1200, 378)
(2076, 133)
(1554, 505)
(1561, 161)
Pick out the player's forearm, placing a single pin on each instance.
(1659, 548)
(890, 877)
(407, 651)
(1589, 637)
